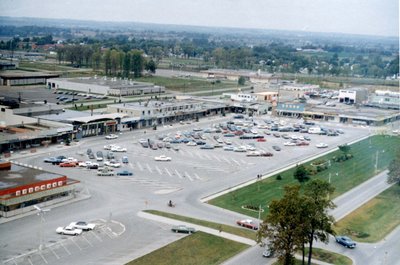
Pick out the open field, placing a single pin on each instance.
(371, 156)
(375, 219)
(199, 248)
(251, 234)
(186, 84)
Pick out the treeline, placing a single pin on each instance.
(111, 61)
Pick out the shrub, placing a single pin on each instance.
(279, 177)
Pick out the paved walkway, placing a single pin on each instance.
(207, 230)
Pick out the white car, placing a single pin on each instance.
(82, 225)
(162, 158)
(239, 149)
(253, 153)
(289, 144)
(69, 160)
(111, 136)
(109, 146)
(321, 145)
(191, 143)
(69, 230)
(118, 149)
(84, 164)
(112, 163)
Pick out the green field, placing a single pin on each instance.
(375, 219)
(377, 150)
(199, 248)
(251, 234)
(186, 84)
(329, 257)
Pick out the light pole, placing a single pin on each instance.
(259, 216)
(41, 213)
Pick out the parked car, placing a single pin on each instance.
(124, 173)
(105, 172)
(67, 164)
(69, 230)
(261, 140)
(91, 156)
(183, 229)
(118, 149)
(346, 241)
(111, 136)
(82, 225)
(162, 158)
(89, 151)
(125, 160)
(289, 144)
(302, 143)
(267, 154)
(248, 223)
(112, 163)
(52, 160)
(99, 156)
(267, 253)
(207, 146)
(276, 148)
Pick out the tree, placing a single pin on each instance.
(137, 61)
(241, 80)
(394, 170)
(318, 223)
(282, 226)
(301, 174)
(151, 66)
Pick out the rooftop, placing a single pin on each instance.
(21, 175)
(114, 83)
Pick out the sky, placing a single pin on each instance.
(368, 17)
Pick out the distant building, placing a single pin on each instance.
(13, 78)
(23, 186)
(384, 99)
(353, 95)
(242, 97)
(105, 86)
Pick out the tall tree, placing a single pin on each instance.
(282, 226)
(394, 170)
(137, 63)
(301, 173)
(319, 223)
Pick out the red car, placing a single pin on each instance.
(302, 143)
(261, 140)
(248, 224)
(67, 164)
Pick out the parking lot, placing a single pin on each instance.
(191, 174)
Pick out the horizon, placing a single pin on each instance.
(371, 18)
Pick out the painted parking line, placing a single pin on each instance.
(158, 170)
(200, 156)
(73, 241)
(43, 258)
(66, 250)
(149, 168)
(235, 161)
(54, 253)
(197, 176)
(226, 160)
(188, 176)
(243, 162)
(217, 158)
(139, 166)
(177, 173)
(208, 157)
(83, 236)
(169, 173)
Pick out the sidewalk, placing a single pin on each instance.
(198, 227)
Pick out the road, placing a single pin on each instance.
(115, 201)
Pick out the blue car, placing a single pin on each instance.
(345, 241)
(124, 173)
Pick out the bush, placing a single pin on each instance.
(279, 177)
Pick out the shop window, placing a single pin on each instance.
(54, 184)
(24, 191)
(43, 187)
(18, 193)
(30, 190)
(60, 183)
(37, 188)
(49, 186)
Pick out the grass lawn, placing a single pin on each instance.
(349, 174)
(186, 84)
(226, 228)
(375, 219)
(199, 248)
(329, 257)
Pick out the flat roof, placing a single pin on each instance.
(113, 83)
(22, 74)
(21, 175)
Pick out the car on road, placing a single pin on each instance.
(162, 158)
(276, 148)
(124, 173)
(345, 241)
(111, 136)
(69, 230)
(82, 225)
(183, 229)
(248, 223)
(253, 153)
(321, 145)
(267, 253)
(50, 160)
(267, 154)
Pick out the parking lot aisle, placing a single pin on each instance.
(188, 176)
(208, 157)
(197, 176)
(226, 160)
(139, 165)
(235, 161)
(199, 155)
